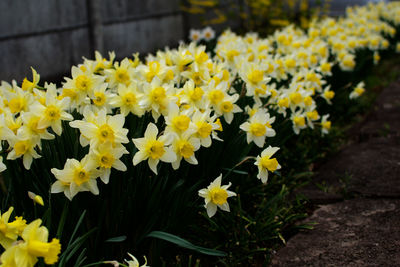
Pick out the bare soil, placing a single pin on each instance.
(358, 197)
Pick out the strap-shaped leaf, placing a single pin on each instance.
(116, 239)
(185, 244)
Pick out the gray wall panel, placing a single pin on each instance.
(143, 35)
(50, 54)
(25, 17)
(120, 10)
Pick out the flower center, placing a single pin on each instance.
(122, 76)
(359, 90)
(326, 125)
(99, 99)
(129, 99)
(255, 76)
(295, 98)
(16, 104)
(181, 122)
(326, 67)
(216, 96)
(106, 133)
(52, 113)
(218, 196)
(329, 94)
(21, 147)
(106, 160)
(308, 101)
(349, 62)
(269, 164)
(312, 115)
(284, 102)
(299, 121)
(158, 94)
(204, 129)
(196, 94)
(185, 149)
(155, 149)
(81, 176)
(33, 126)
(196, 78)
(232, 54)
(226, 106)
(290, 63)
(257, 129)
(83, 83)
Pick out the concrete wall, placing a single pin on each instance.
(53, 35)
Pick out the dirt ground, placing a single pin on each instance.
(358, 197)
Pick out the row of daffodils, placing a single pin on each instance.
(187, 94)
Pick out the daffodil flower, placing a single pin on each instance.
(153, 148)
(77, 176)
(358, 90)
(133, 262)
(102, 128)
(216, 196)
(258, 127)
(325, 124)
(266, 164)
(184, 146)
(34, 244)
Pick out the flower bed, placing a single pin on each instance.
(126, 153)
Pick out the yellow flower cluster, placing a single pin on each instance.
(190, 92)
(26, 114)
(286, 72)
(389, 11)
(183, 86)
(24, 243)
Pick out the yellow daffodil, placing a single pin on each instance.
(184, 146)
(133, 262)
(53, 111)
(325, 124)
(23, 145)
(258, 127)
(34, 244)
(266, 164)
(153, 148)
(8, 231)
(216, 196)
(36, 198)
(107, 156)
(29, 85)
(127, 99)
(77, 176)
(358, 90)
(106, 129)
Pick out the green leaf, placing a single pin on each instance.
(81, 258)
(62, 220)
(236, 171)
(281, 238)
(116, 239)
(185, 244)
(73, 248)
(77, 227)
